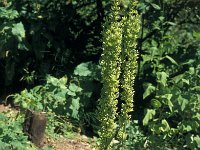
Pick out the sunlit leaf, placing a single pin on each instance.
(197, 140)
(182, 102)
(8, 13)
(171, 60)
(196, 88)
(162, 78)
(82, 69)
(74, 88)
(167, 98)
(75, 105)
(18, 31)
(148, 116)
(155, 6)
(149, 90)
(165, 125)
(186, 81)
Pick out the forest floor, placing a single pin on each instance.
(78, 142)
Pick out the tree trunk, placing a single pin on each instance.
(34, 127)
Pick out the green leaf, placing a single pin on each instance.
(196, 35)
(186, 81)
(8, 13)
(155, 103)
(170, 105)
(82, 69)
(71, 93)
(18, 31)
(182, 102)
(167, 101)
(24, 105)
(191, 70)
(149, 90)
(2, 117)
(197, 140)
(196, 88)
(52, 80)
(171, 60)
(165, 126)
(178, 78)
(155, 6)
(75, 105)
(161, 18)
(37, 88)
(74, 88)
(162, 78)
(187, 128)
(3, 145)
(63, 80)
(149, 115)
(17, 145)
(171, 23)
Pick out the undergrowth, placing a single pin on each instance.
(11, 134)
(62, 101)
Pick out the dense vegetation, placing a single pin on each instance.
(49, 61)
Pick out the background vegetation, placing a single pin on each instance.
(49, 55)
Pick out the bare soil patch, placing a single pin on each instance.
(3, 108)
(69, 144)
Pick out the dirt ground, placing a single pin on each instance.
(4, 108)
(77, 143)
(66, 144)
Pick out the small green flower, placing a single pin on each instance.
(119, 64)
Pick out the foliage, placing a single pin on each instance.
(169, 74)
(59, 126)
(55, 98)
(48, 97)
(12, 36)
(174, 115)
(119, 65)
(135, 137)
(11, 135)
(52, 37)
(63, 99)
(32, 30)
(87, 75)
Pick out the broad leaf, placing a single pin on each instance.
(18, 31)
(196, 88)
(197, 140)
(149, 115)
(74, 88)
(75, 105)
(82, 69)
(162, 78)
(182, 102)
(149, 90)
(167, 101)
(8, 13)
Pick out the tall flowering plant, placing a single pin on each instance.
(119, 65)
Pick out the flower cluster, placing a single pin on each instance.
(111, 68)
(118, 62)
(129, 54)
